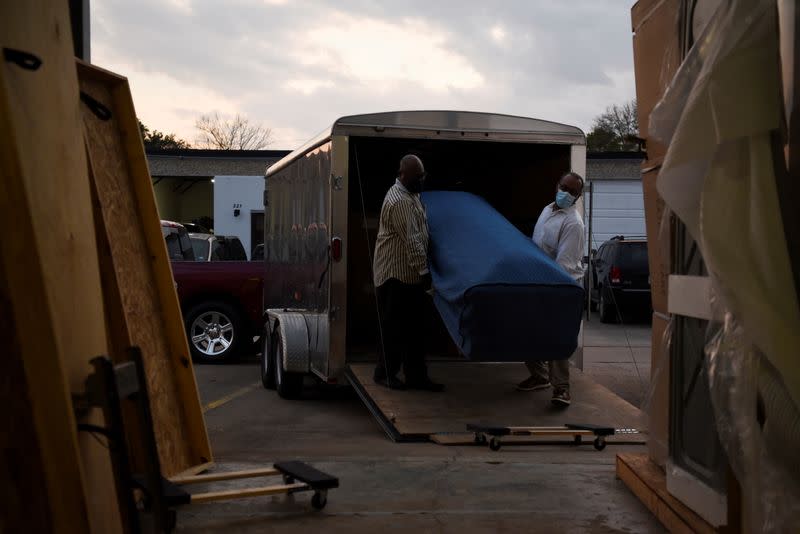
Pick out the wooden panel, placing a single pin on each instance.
(656, 58)
(485, 393)
(659, 242)
(51, 282)
(137, 273)
(648, 482)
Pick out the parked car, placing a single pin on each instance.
(620, 277)
(195, 228)
(179, 245)
(210, 247)
(221, 301)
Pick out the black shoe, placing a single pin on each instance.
(425, 385)
(391, 382)
(561, 398)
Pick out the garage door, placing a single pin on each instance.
(618, 209)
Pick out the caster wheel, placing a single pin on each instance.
(288, 480)
(494, 444)
(318, 501)
(578, 440)
(480, 439)
(599, 444)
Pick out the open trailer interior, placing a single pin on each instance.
(517, 179)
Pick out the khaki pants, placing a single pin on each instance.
(557, 372)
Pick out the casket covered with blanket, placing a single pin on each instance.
(499, 295)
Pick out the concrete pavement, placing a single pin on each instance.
(418, 487)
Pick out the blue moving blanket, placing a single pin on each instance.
(500, 296)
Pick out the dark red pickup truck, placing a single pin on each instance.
(221, 301)
(221, 304)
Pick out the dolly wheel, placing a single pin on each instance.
(318, 501)
(480, 439)
(288, 480)
(578, 440)
(494, 444)
(599, 444)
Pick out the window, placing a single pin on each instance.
(200, 246)
(179, 248)
(218, 252)
(235, 250)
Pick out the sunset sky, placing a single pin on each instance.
(295, 66)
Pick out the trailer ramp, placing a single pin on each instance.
(485, 392)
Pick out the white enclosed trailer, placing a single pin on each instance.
(322, 204)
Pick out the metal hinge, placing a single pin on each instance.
(337, 182)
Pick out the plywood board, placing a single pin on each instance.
(648, 482)
(480, 393)
(51, 283)
(659, 240)
(658, 408)
(138, 284)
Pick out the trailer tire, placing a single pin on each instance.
(289, 385)
(267, 360)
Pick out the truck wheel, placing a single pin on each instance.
(215, 331)
(289, 385)
(267, 360)
(607, 307)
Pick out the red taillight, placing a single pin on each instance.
(336, 248)
(615, 275)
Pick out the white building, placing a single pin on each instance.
(219, 189)
(615, 196)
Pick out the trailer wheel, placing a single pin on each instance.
(267, 360)
(599, 444)
(494, 444)
(318, 501)
(289, 385)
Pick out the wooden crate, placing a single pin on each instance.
(141, 301)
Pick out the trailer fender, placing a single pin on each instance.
(294, 335)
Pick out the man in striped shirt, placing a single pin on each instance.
(402, 279)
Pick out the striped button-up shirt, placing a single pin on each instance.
(401, 250)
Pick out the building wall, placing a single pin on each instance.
(198, 201)
(247, 192)
(176, 205)
(617, 203)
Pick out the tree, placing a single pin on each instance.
(615, 130)
(156, 140)
(237, 133)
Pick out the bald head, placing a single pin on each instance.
(411, 173)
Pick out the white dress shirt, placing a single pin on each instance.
(559, 233)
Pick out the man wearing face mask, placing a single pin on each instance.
(401, 278)
(559, 233)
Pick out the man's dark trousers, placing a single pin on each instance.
(401, 306)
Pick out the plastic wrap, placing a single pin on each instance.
(719, 117)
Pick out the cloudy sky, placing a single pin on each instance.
(296, 66)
